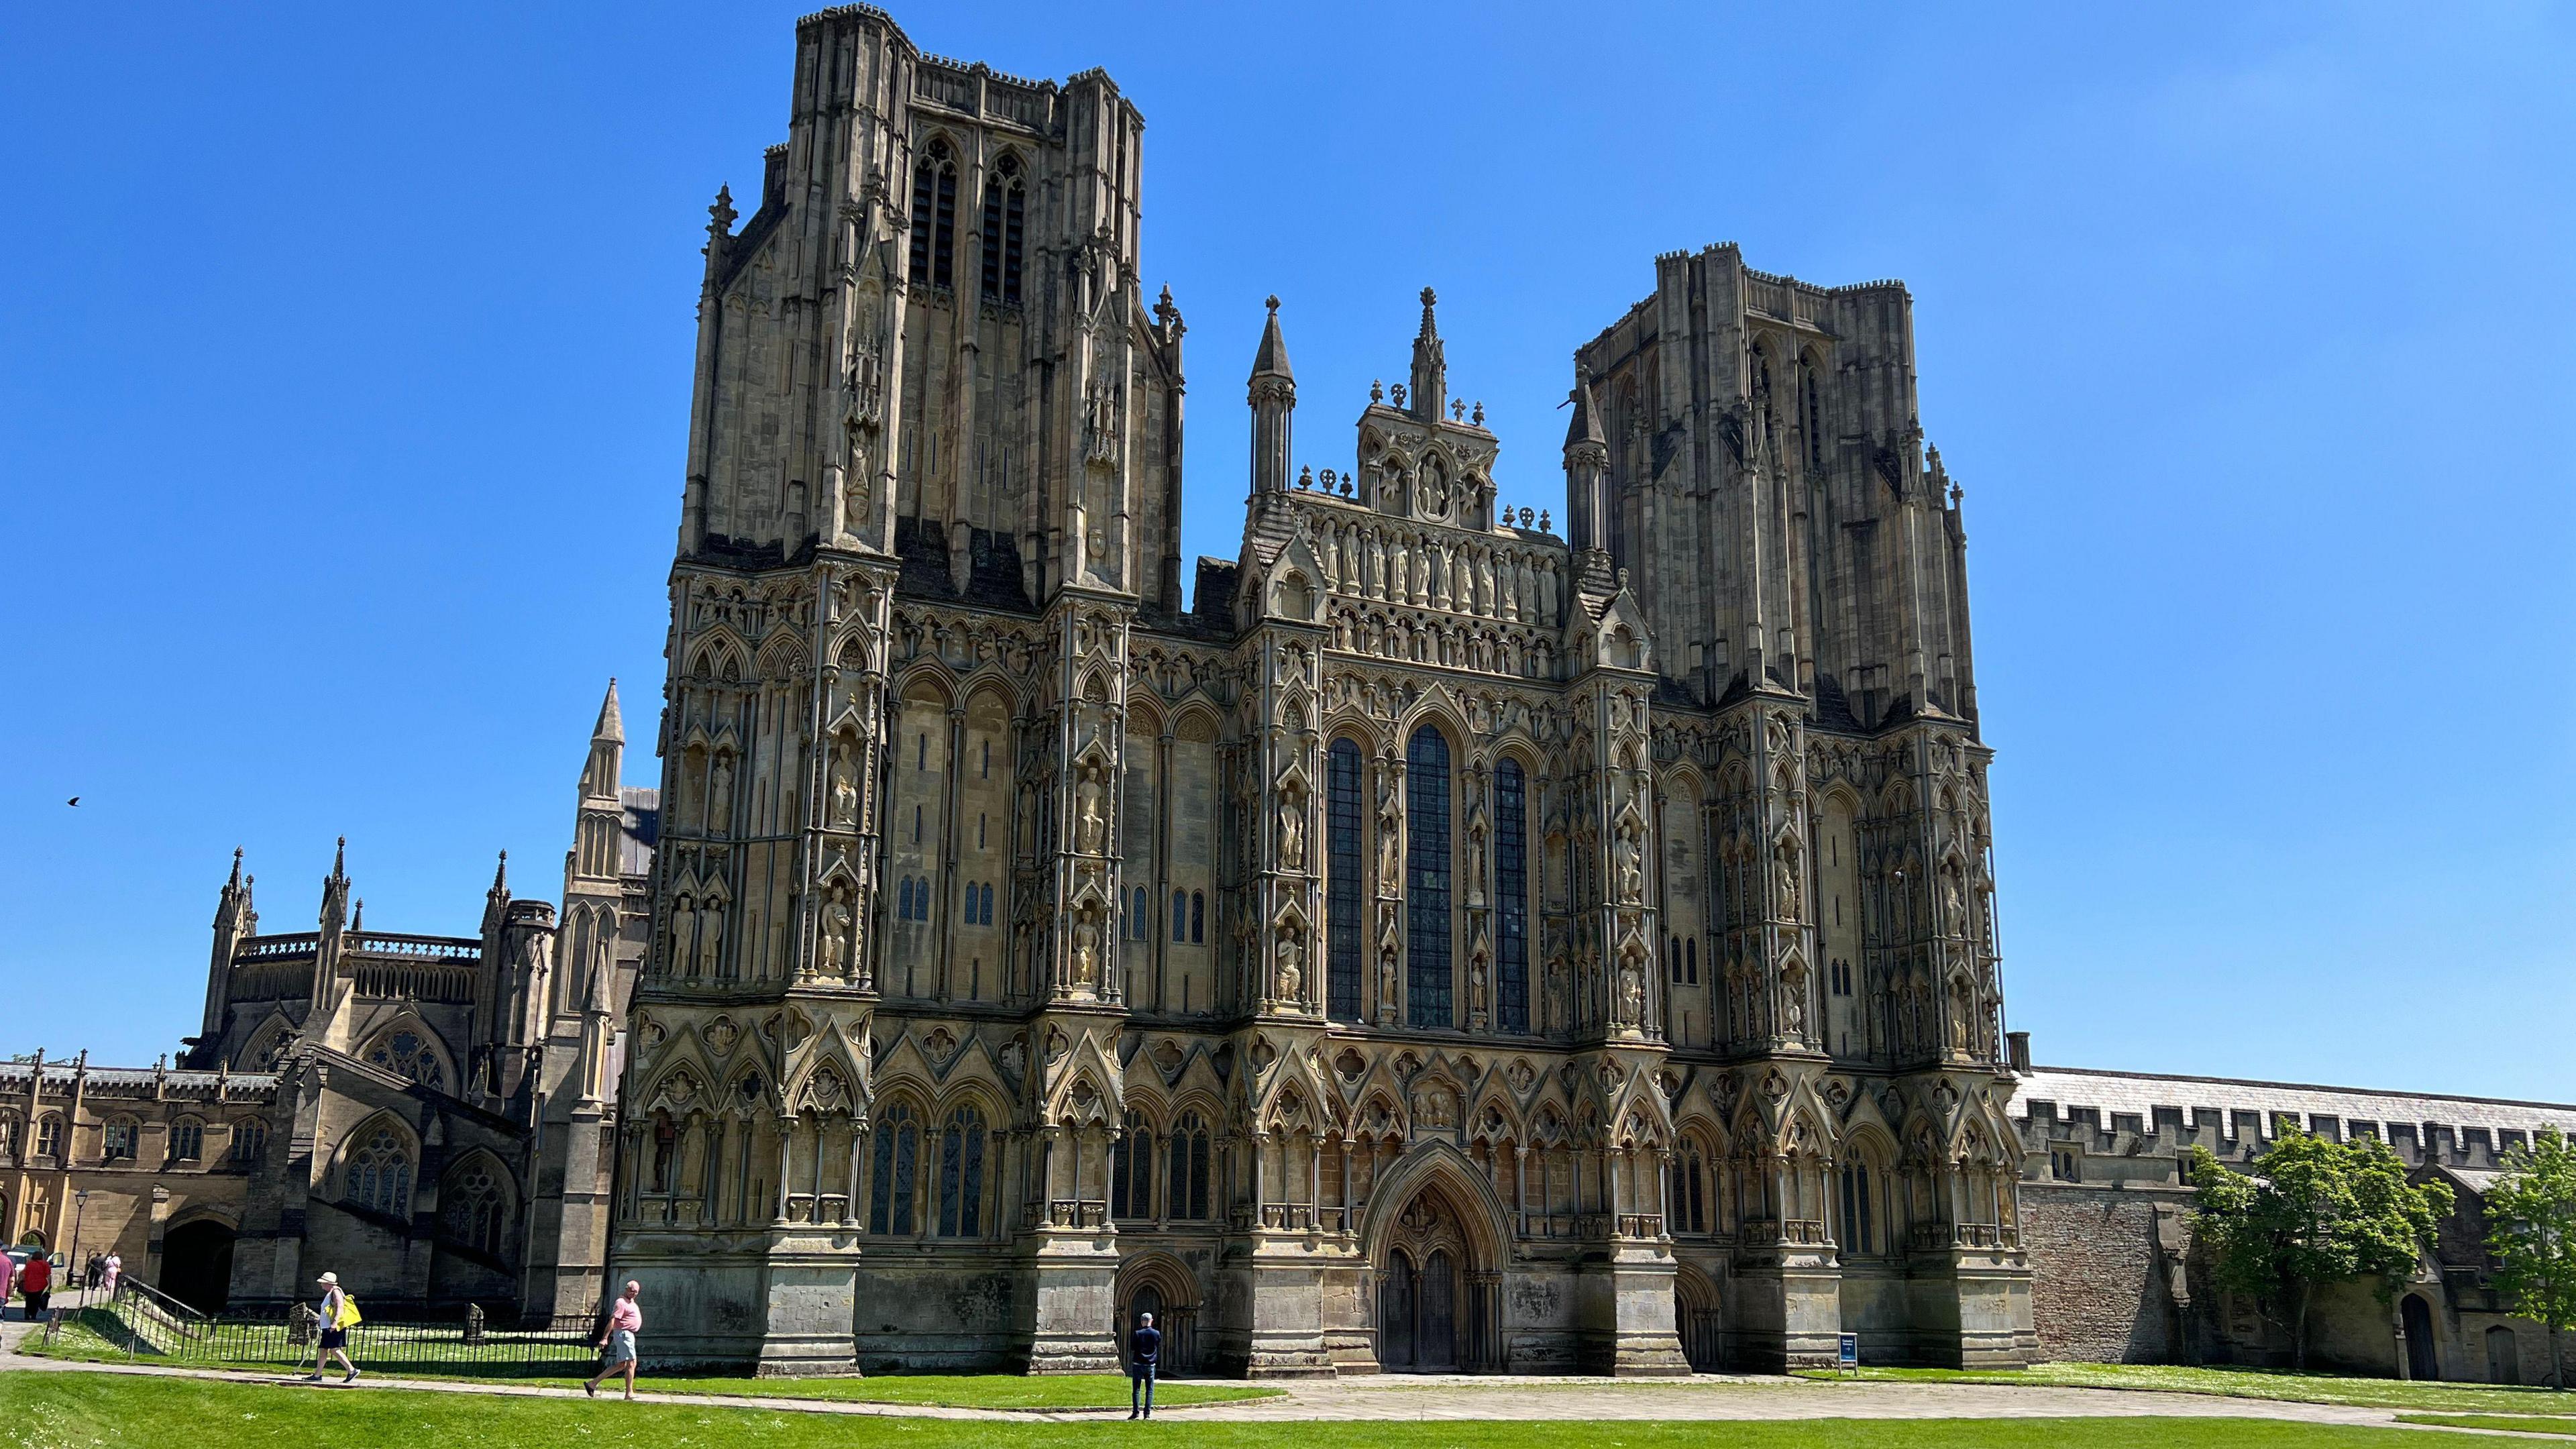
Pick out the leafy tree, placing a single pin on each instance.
(2313, 1213)
(2531, 1229)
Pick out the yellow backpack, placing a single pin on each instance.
(348, 1316)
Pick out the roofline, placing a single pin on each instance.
(2300, 1087)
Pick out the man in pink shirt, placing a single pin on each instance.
(617, 1342)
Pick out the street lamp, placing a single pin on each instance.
(71, 1263)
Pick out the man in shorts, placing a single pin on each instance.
(617, 1342)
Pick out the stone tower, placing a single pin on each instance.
(1762, 480)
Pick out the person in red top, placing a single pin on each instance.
(37, 1283)
(617, 1342)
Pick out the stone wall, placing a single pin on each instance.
(2098, 1291)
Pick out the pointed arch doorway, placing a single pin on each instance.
(1439, 1301)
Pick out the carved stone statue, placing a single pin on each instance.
(710, 937)
(845, 789)
(1632, 870)
(1785, 882)
(719, 794)
(1086, 949)
(836, 937)
(684, 930)
(1632, 991)
(1091, 830)
(1292, 834)
(1292, 977)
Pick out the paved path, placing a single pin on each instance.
(1422, 1397)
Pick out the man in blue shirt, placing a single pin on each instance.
(1144, 1348)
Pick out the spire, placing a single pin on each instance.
(1586, 425)
(1273, 396)
(1272, 358)
(612, 725)
(501, 876)
(1430, 364)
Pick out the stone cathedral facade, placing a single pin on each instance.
(1442, 944)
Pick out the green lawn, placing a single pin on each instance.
(83, 1341)
(2239, 1383)
(107, 1411)
(2518, 1423)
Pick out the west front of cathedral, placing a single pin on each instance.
(1444, 943)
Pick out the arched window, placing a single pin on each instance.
(473, 1207)
(1860, 1230)
(1131, 1171)
(1345, 898)
(934, 217)
(961, 1175)
(1186, 1172)
(1198, 918)
(1141, 919)
(187, 1140)
(8, 1143)
(406, 1053)
(250, 1140)
(1511, 884)
(379, 1174)
(1690, 954)
(1180, 916)
(1673, 956)
(1005, 200)
(988, 903)
(898, 1157)
(1426, 880)
(121, 1139)
(1814, 400)
(1698, 1192)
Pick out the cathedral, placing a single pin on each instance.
(1434, 942)
(1442, 943)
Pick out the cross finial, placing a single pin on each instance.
(1429, 297)
(1272, 302)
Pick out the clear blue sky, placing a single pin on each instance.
(344, 368)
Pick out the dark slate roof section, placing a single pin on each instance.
(1833, 707)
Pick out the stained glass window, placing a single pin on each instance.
(961, 1174)
(891, 1176)
(1511, 885)
(379, 1174)
(1346, 897)
(1426, 881)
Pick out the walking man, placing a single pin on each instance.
(1144, 1350)
(336, 1308)
(617, 1342)
(36, 1284)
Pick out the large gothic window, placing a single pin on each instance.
(1345, 897)
(898, 1157)
(934, 217)
(1511, 885)
(1131, 1171)
(187, 1140)
(961, 1175)
(407, 1053)
(379, 1174)
(475, 1207)
(1426, 880)
(250, 1140)
(1005, 202)
(1186, 1178)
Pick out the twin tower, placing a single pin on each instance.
(1433, 944)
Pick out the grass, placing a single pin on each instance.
(2517, 1423)
(88, 1340)
(109, 1411)
(2235, 1383)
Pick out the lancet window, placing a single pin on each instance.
(1427, 975)
(961, 1174)
(1345, 898)
(1511, 888)
(891, 1176)
(934, 217)
(1005, 203)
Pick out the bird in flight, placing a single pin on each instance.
(75, 800)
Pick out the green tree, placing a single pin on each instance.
(2531, 1229)
(2313, 1213)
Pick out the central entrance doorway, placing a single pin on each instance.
(1435, 1308)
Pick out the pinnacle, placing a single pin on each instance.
(612, 724)
(1272, 358)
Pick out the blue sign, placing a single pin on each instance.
(1848, 1350)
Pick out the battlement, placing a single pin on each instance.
(2140, 1115)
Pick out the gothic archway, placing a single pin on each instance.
(197, 1263)
(1436, 1261)
(1156, 1283)
(1695, 1314)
